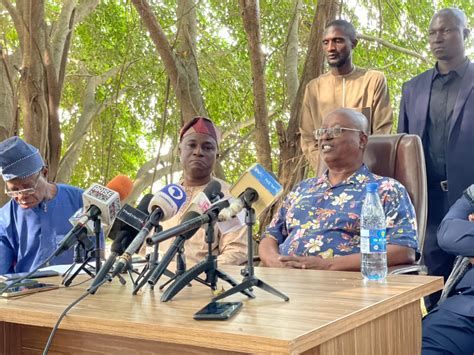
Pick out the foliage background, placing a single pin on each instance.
(126, 133)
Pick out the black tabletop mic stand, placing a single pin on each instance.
(250, 280)
(209, 266)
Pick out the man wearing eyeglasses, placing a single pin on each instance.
(36, 218)
(344, 86)
(318, 224)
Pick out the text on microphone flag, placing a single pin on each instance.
(266, 179)
(132, 216)
(261, 184)
(102, 196)
(101, 193)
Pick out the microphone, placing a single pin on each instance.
(257, 188)
(204, 199)
(199, 205)
(192, 221)
(169, 200)
(105, 200)
(98, 201)
(121, 184)
(126, 226)
(131, 219)
(76, 219)
(77, 234)
(164, 205)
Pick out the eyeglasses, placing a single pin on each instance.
(25, 192)
(332, 132)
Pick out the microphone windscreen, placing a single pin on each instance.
(236, 205)
(169, 199)
(121, 184)
(213, 190)
(204, 199)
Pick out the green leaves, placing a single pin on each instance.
(112, 49)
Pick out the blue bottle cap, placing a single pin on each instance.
(372, 187)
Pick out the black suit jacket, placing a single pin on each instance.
(460, 151)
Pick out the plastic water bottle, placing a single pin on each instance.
(373, 239)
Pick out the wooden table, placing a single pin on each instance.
(328, 313)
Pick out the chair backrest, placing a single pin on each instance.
(401, 156)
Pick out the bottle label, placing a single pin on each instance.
(373, 241)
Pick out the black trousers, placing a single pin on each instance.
(438, 262)
(446, 332)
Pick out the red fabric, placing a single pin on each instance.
(200, 125)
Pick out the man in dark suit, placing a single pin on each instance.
(438, 105)
(449, 329)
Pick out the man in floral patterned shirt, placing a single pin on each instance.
(318, 225)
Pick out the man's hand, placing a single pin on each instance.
(305, 262)
(268, 251)
(272, 262)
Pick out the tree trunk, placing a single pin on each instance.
(251, 19)
(43, 61)
(180, 63)
(291, 55)
(33, 98)
(186, 53)
(8, 104)
(292, 163)
(183, 75)
(8, 93)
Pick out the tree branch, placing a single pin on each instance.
(392, 46)
(61, 31)
(158, 37)
(84, 9)
(186, 86)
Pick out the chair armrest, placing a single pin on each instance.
(408, 269)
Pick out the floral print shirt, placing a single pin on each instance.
(317, 218)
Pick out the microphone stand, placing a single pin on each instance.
(152, 263)
(180, 267)
(97, 243)
(250, 280)
(162, 267)
(209, 266)
(70, 274)
(91, 255)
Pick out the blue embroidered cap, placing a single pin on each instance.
(18, 159)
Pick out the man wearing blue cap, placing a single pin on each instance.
(35, 220)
